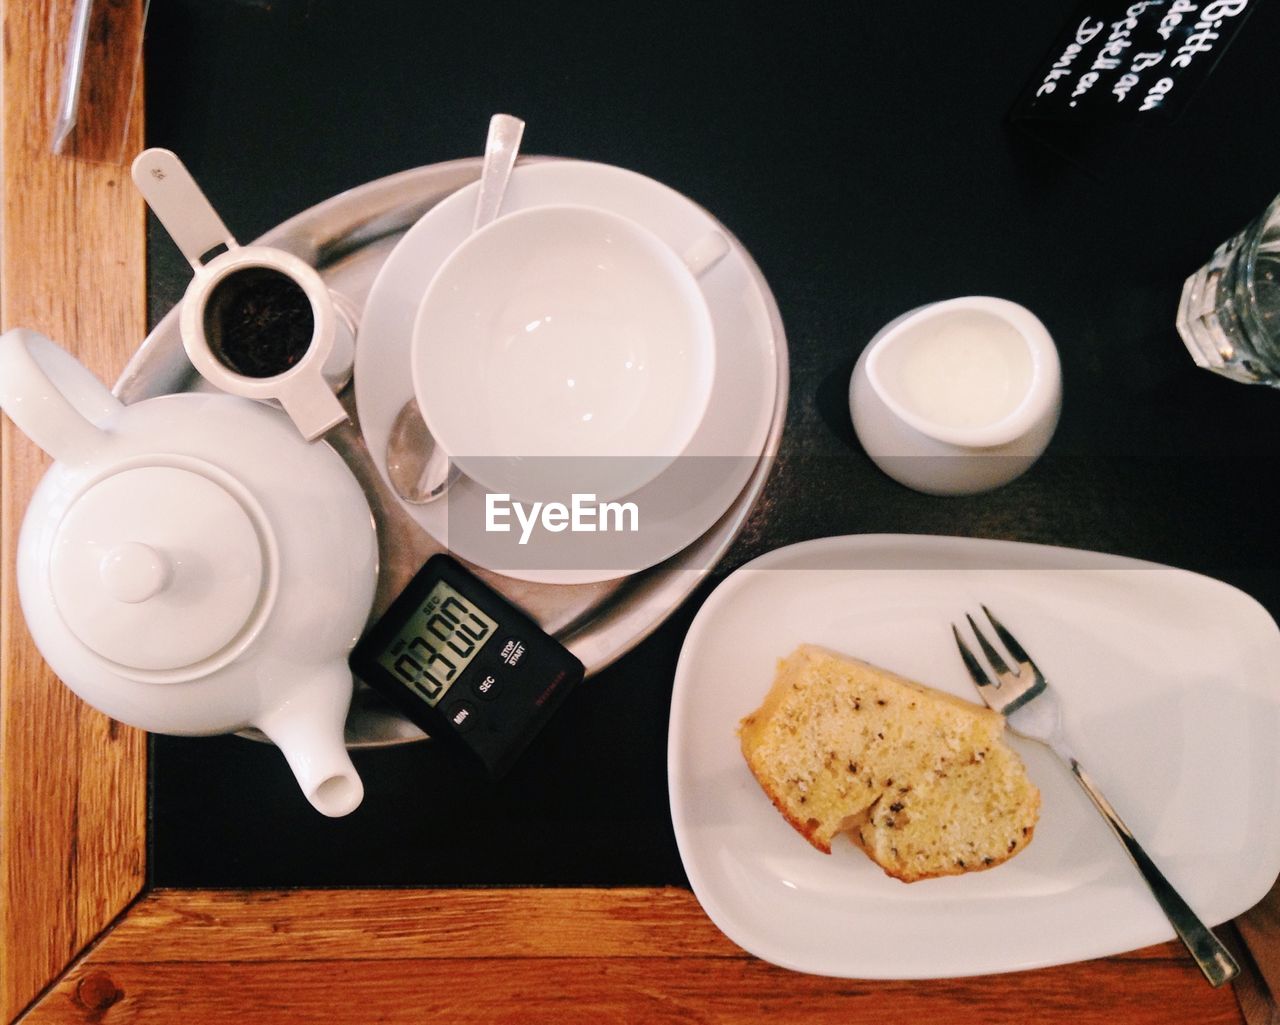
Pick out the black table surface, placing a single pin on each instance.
(863, 155)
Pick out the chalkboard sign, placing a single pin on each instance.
(1140, 60)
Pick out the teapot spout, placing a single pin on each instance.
(308, 728)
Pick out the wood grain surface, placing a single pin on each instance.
(1259, 928)
(562, 956)
(72, 812)
(73, 802)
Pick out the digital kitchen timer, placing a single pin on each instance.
(463, 662)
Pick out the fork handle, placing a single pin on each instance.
(1213, 958)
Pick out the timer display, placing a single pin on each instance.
(439, 641)
(466, 665)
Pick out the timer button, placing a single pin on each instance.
(486, 685)
(511, 651)
(462, 716)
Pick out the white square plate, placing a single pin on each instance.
(1170, 687)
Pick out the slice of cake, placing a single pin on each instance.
(921, 780)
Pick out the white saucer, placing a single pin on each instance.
(737, 420)
(1167, 686)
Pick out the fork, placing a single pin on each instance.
(1023, 697)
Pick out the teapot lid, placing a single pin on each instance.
(158, 568)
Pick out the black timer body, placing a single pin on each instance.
(463, 663)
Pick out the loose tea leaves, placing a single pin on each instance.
(259, 322)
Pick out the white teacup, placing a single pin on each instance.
(957, 397)
(565, 348)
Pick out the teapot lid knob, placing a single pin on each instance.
(134, 572)
(162, 568)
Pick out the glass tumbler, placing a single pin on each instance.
(1229, 316)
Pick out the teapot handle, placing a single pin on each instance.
(53, 398)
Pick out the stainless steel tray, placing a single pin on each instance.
(347, 238)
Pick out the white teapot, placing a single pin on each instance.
(190, 565)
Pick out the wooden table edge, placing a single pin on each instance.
(72, 265)
(626, 954)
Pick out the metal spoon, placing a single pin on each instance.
(418, 468)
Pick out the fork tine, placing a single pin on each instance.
(1011, 644)
(993, 656)
(986, 688)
